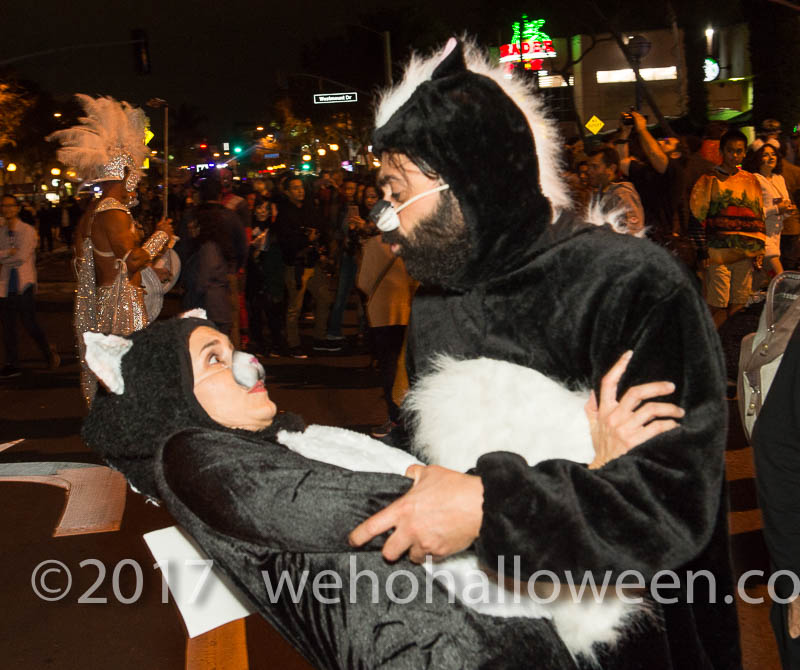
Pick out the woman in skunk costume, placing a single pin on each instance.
(188, 421)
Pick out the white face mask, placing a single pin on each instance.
(384, 214)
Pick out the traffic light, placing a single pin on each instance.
(203, 145)
(141, 52)
(306, 166)
(237, 150)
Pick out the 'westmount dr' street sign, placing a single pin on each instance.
(329, 98)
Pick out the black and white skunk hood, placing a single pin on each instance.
(502, 167)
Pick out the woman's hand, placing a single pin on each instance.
(617, 427)
(166, 226)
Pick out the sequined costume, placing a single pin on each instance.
(117, 308)
(108, 144)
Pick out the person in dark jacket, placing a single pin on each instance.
(776, 450)
(303, 244)
(216, 257)
(509, 274)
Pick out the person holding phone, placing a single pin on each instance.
(353, 228)
(764, 161)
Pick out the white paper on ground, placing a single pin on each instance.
(205, 597)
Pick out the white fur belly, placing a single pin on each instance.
(464, 409)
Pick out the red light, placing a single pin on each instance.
(204, 146)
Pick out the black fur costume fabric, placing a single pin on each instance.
(568, 299)
(263, 512)
(127, 429)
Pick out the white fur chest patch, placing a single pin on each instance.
(464, 409)
(467, 408)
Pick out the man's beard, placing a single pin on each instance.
(439, 246)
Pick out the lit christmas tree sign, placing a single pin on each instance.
(529, 38)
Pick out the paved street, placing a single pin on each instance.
(44, 409)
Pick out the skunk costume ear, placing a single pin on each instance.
(452, 60)
(196, 313)
(104, 357)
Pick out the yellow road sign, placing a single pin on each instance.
(594, 125)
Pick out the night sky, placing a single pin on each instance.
(220, 57)
(229, 58)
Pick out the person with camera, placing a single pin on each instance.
(656, 177)
(302, 243)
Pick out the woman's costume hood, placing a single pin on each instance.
(149, 396)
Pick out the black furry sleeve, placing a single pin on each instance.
(776, 449)
(266, 494)
(655, 507)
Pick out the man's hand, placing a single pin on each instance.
(440, 515)
(639, 122)
(793, 622)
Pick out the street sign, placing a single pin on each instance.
(594, 125)
(330, 98)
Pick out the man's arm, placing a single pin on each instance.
(652, 150)
(628, 199)
(653, 508)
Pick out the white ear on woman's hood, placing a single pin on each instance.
(104, 357)
(196, 313)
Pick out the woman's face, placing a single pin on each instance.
(769, 157)
(225, 400)
(370, 197)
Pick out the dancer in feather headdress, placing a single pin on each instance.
(107, 148)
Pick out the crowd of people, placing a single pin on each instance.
(262, 256)
(725, 206)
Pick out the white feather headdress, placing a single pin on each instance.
(106, 141)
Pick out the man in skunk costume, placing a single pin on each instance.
(475, 206)
(189, 422)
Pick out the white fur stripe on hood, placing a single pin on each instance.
(545, 131)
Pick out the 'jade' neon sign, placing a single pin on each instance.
(528, 42)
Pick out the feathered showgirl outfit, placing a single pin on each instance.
(107, 145)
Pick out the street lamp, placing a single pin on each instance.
(55, 172)
(638, 48)
(57, 115)
(334, 147)
(321, 152)
(12, 167)
(156, 103)
(259, 128)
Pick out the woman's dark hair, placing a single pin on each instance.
(731, 136)
(752, 161)
(362, 207)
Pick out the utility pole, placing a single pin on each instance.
(155, 103)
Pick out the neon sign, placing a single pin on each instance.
(528, 42)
